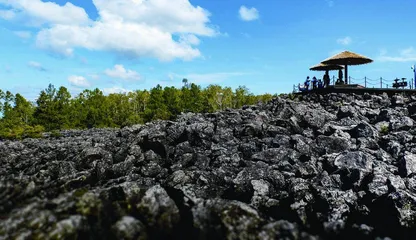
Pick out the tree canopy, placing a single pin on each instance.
(56, 109)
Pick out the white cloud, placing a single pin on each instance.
(344, 41)
(78, 81)
(123, 38)
(36, 65)
(37, 12)
(248, 14)
(405, 55)
(95, 76)
(125, 27)
(120, 72)
(115, 89)
(189, 39)
(173, 15)
(23, 34)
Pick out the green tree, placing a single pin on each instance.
(22, 111)
(77, 112)
(211, 98)
(62, 104)
(265, 98)
(95, 109)
(172, 100)
(192, 98)
(118, 109)
(227, 98)
(157, 108)
(16, 121)
(185, 82)
(89, 109)
(241, 97)
(8, 98)
(46, 113)
(2, 95)
(139, 102)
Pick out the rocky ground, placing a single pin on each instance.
(335, 166)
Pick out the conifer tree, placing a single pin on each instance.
(172, 100)
(157, 108)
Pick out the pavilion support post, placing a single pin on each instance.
(346, 74)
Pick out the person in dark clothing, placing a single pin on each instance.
(340, 76)
(307, 82)
(314, 82)
(320, 84)
(326, 79)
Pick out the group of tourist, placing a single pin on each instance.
(318, 83)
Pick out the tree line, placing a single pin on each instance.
(55, 109)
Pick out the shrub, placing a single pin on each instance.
(55, 133)
(34, 132)
(384, 129)
(20, 132)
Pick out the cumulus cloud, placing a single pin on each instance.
(95, 76)
(248, 14)
(23, 34)
(37, 12)
(78, 81)
(36, 65)
(190, 39)
(115, 89)
(405, 55)
(118, 71)
(344, 41)
(125, 27)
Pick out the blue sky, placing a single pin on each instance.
(266, 45)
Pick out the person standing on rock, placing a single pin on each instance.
(314, 82)
(326, 79)
(307, 81)
(340, 76)
(320, 84)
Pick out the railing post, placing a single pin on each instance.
(349, 79)
(333, 80)
(381, 82)
(365, 81)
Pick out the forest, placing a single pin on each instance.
(55, 109)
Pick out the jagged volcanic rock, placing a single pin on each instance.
(334, 166)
